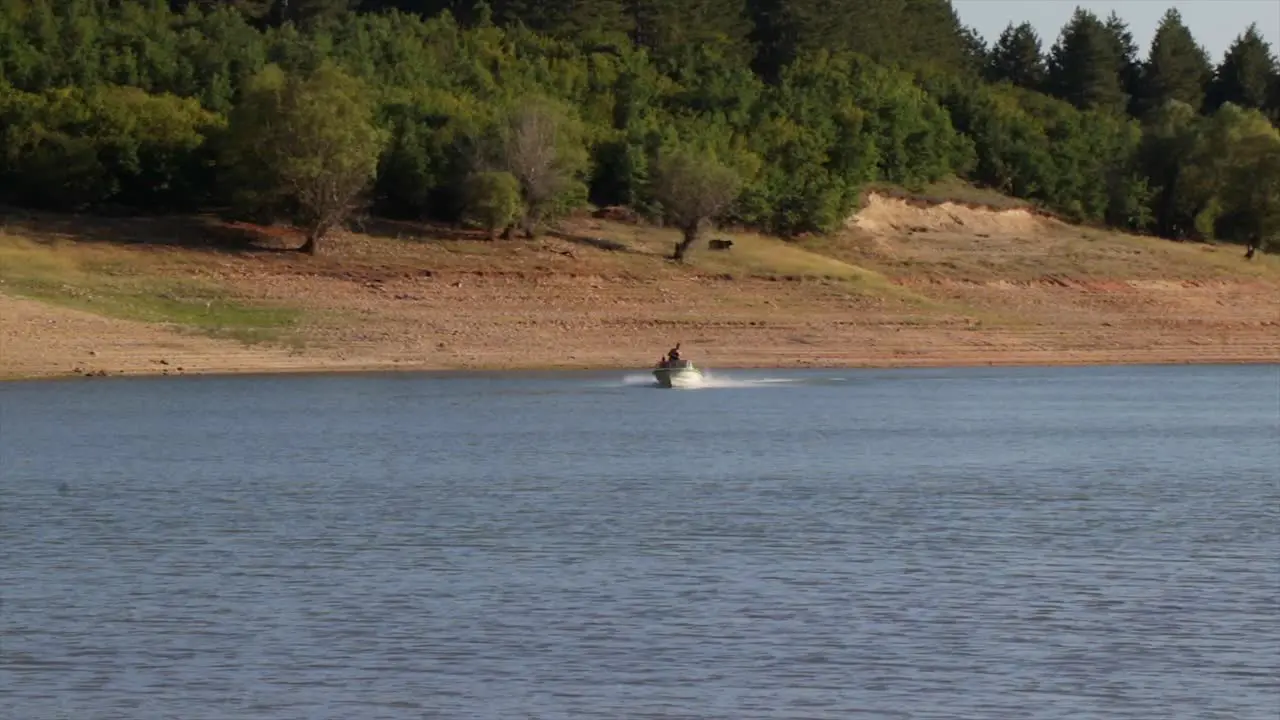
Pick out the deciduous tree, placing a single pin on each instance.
(693, 188)
(493, 201)
(303, 146)
(540, 142)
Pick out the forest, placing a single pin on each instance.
(504, 115)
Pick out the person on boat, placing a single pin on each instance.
(673, 357)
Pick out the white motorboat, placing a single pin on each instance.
(677, 374)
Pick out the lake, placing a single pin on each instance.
(958, 543)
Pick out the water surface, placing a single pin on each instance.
(970, 543)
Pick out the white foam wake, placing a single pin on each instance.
(711, 380)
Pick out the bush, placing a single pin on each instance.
(493, 201)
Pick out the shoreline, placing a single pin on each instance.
(902, 287)
(1077, 359)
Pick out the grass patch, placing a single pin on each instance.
(957, 191)
(760, 256)
(1212, 259)
(752, 256)
(103, 281)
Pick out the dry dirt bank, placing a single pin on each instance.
(902, 285)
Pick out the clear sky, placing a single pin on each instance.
(1215, 23)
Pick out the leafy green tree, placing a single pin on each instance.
(1168, 139)
(673, 29)
(493, 201)
(49, 159)
(434, 136)
(303, 146)
(903, 33)
(541, 143)
(1216, 169)
(217, 53)
(1244, 76)
(107, 103)
(592, 20)
(1177, 67)
(1252, 189)
(309, 13)
(1011, 148)
(250, 9)
(693, 188)
(76, 149)
(1017, 58)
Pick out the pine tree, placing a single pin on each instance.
(309, 13)
(976, 53)
(1017, 58)
(933, 35)
(1273, 99)
(1126, 50)
(907, 33)
(1245, 74)
(1085, 65)
(672, 28)
(1177, 67)
(575, 19)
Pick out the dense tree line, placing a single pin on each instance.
(508, 113)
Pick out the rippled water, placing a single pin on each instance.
(1039, 543)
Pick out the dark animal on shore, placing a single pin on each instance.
(721, 244)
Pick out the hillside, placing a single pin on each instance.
(907, 282)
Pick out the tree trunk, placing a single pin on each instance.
(312, 244)
(529, 224)
(690, 233)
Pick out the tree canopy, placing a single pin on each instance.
(509, 113)
(304, 146)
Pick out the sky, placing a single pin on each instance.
(1215, 23)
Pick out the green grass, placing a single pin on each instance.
(99, 280)
(954, 190)
(959, 191)
(765, 257)
(753, 255)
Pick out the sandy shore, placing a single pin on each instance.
(904, 287)
(39, 340)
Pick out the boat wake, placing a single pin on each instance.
(711, 380)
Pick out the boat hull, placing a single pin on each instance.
(688, 376)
